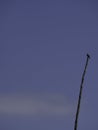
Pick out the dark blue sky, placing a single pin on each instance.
(43, 46)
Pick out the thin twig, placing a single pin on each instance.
(80, 94)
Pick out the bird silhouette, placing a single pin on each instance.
(88, 55)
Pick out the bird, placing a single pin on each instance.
(88, 55)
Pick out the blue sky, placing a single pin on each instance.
(43, 46)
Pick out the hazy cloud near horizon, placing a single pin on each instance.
(35, 105)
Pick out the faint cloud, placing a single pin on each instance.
(35, 105)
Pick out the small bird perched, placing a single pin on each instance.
(88, 55)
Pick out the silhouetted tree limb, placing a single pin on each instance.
(80, 93)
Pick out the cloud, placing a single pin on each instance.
(35, 105)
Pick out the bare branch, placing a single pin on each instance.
(80, 93)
